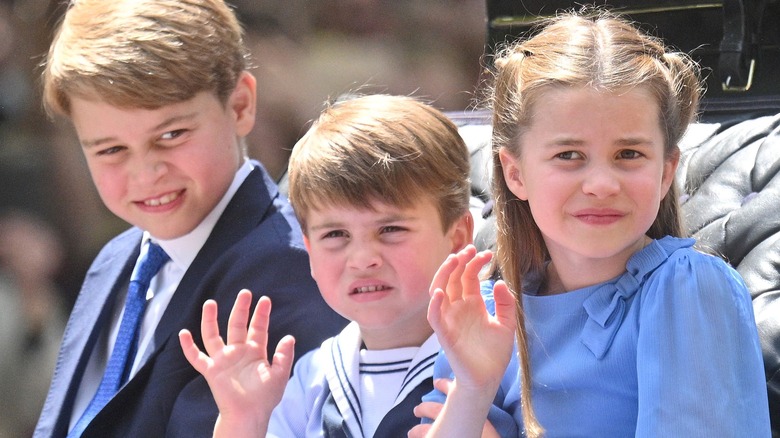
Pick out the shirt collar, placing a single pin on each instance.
(183, 250)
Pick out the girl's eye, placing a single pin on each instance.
(569, 155)
(171, 135)
(629, 154)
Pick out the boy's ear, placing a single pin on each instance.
(513, 173)
(462, 232)
(243, 103)
(307, 245)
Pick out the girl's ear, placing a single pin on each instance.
(513, 173)
(670, 170)
(243, 103)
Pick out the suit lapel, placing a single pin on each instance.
(90, 315)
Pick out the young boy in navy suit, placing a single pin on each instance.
(159, 96)
(380, 186)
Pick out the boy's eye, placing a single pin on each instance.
(392, 229)
(334, 234)
(110, 150)
(171, 135)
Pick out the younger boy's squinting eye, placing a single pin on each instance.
(334, 234)
(392, 229)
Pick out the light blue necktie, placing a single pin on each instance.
(121, 359)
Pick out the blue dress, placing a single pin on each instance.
(668, 348)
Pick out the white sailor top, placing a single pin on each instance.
(322, 398)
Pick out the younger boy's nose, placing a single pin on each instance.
(365, 257)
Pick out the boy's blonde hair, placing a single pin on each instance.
(390, 149)
(143, 53)
(593, 48)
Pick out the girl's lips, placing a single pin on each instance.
(599, 216)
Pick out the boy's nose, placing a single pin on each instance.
(150, 168)
(365, 257)
(601, 181)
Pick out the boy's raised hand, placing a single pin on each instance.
(245, 384)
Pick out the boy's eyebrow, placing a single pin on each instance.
(165, 123)
(393, 217)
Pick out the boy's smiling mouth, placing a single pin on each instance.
(162, 200)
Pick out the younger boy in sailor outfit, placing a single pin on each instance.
(380, 187)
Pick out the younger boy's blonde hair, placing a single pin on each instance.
(390, 149)
(143, 53)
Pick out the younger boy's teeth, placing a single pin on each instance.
(363, 289)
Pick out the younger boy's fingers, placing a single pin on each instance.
(209, 328)
(258, 327)
(191, 351)
(239, 315)
(284, 355)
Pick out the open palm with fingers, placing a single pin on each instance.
(245, 384)
(478, 345)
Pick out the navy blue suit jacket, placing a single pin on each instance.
(256, 244)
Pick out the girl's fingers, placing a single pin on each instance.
(428, 409)
(455, 284)
(237, 330)
(470, 277)
(209, 328)
(506, 305)
(442, 275)
(443, 385)
(435, 311)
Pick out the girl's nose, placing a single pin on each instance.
(601, 181)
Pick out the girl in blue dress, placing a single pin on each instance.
(618, 326)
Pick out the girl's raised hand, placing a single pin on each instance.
(478, 345)
(245, 384)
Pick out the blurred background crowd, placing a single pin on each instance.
(304, 53)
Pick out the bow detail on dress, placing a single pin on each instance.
(607, 305)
